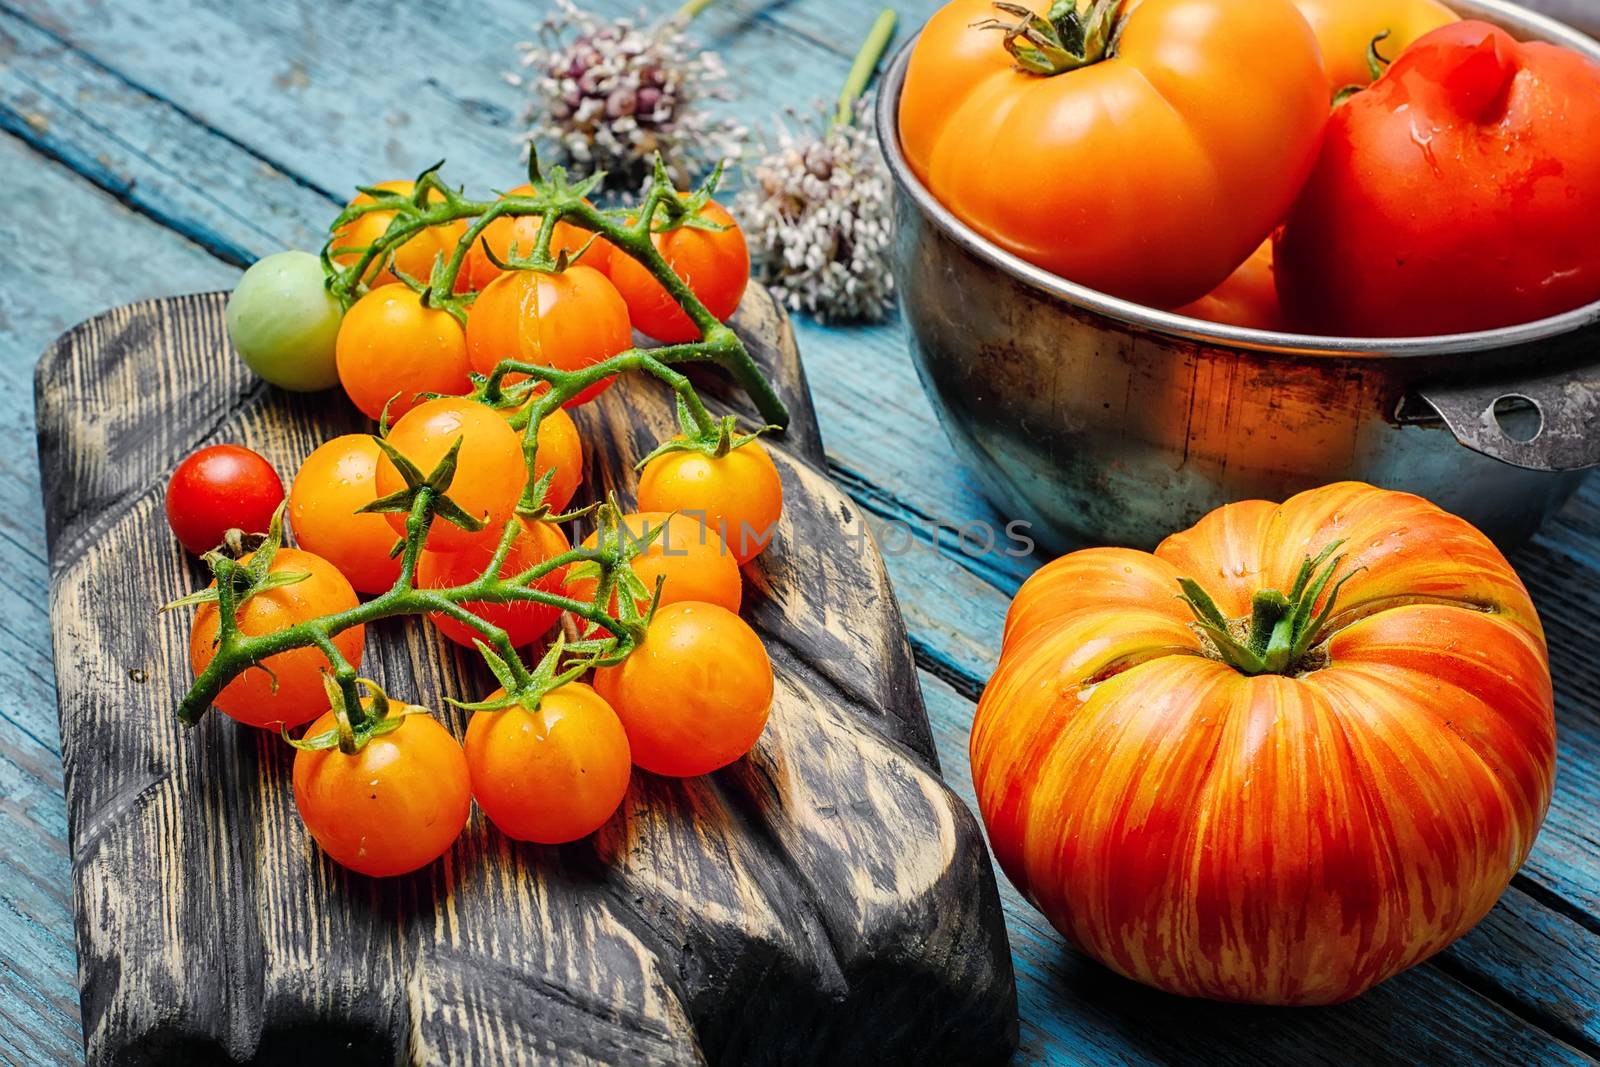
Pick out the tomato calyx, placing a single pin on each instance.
(1281, 630)
(1072, 35)
(237, 582)
(682, 211)
(616, 547)
(356, 724)
(525, 689)
(429, 489)
(700, 433)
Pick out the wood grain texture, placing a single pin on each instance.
(826, 896)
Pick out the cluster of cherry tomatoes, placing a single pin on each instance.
(550, 765)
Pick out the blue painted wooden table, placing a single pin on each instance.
(153, 148)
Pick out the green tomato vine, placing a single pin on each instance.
(609, 634)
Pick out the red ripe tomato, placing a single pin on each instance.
(1292, 834)
(1461, 192)
(287, 688)
(715, 264)
(331, 487)
(567, 321)
(221, 488)
(523, 620)
(689, 559)
(478, 270)
(490, 472)
(739, 495)
(695, 694)
(391, 349)
(392, 808)
(414, 258)
(552, 774)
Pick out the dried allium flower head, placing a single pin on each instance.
(820, 223)
(607, 96)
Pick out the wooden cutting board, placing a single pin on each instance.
(827, 898)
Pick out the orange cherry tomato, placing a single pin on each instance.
(695, 694)
(1346, 29)
(292, 692)
(331, 487)
(567, 321)
(552, 774)
(478, 270)
(739, 495)
(688, 557)
(489, 469)
(1248, 298)
(560, 447)
(714, 263)
(390, 349)
(414, 258)
(1150, 174)
(524, 621)
(392, 808)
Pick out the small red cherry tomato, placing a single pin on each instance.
(221, 488)
(715, 263)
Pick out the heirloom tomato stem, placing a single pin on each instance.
(1281, 629)
(1072, 35)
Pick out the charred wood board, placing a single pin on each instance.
(825, 899)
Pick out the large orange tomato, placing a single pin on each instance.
(1248, 298)
(1346, 30)
(1292, 836)
(1149, 171)
(566, 320)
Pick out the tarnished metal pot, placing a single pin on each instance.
(1100, 421)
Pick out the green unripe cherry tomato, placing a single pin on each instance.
(283, 321)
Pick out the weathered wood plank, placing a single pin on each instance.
(207, 924)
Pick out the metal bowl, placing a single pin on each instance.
(1101, 421)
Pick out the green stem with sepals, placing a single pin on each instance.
(1072, 35)
(1281, 629)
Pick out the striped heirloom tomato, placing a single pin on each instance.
(1298, 779)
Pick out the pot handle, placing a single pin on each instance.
(1567, 403)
